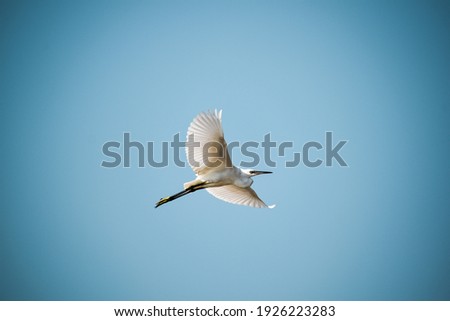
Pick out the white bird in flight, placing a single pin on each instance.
(214, 169)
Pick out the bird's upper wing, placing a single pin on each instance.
(237, 195)
(206, 130)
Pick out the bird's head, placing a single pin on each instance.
(253, 172)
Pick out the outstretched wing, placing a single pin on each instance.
(206, 148)
(237, 195)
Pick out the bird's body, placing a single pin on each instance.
(227, 176)
(206, 151)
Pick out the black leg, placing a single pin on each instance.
(180, 194)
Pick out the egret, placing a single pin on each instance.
(207, 154)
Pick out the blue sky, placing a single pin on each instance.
(76, 75)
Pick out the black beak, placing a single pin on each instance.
(261, 172)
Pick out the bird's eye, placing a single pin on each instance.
(252, 172)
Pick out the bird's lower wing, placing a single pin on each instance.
(237, 195)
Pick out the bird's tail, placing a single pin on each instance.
(190, 184)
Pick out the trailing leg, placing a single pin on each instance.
(184, 192)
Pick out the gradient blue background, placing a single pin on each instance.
(77, 74)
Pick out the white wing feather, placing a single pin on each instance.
(207, 128)
(237, 195)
